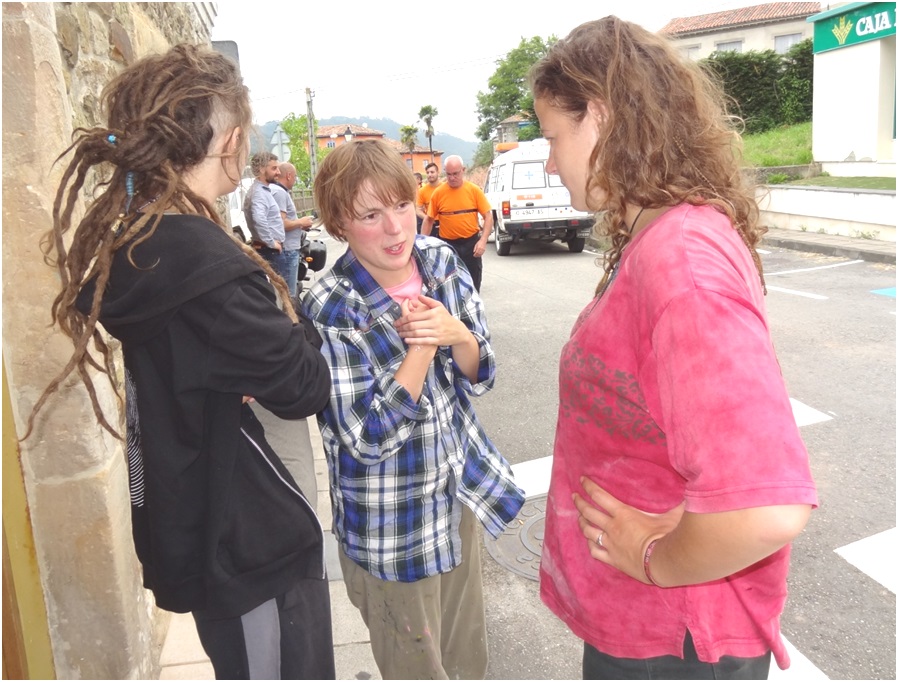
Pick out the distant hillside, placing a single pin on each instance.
(448, 144)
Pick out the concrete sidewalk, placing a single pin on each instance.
(832, 245)
(183, 657)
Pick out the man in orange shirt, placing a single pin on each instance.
(424, 194)
(457, 204)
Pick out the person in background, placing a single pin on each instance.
(459, 206)
(220, 527)
(422, 200)
(419, 217)
(411, 469)
(679, 477)
(294, 228)
(263, 217)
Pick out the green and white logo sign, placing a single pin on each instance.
(857, 23)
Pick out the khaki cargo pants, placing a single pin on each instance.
(432, 629)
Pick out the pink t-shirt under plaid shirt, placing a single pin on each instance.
(670, 391)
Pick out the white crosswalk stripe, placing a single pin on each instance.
(872, 556)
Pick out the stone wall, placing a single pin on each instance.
(56, 59)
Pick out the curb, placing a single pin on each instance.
(854, 250)
(848, 248)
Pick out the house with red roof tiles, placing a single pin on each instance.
(419, 158)
(332, 136)
(854, 118)
(772, 26)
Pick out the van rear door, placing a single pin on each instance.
(536, 195)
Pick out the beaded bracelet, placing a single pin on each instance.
(645, 561)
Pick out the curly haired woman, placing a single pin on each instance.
(220, 527)
(679, 477)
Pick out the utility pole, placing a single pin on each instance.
(313, 143)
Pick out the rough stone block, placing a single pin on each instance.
(69, 33)
(120, 43)
(99, 617)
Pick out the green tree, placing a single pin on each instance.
(297, 129)
(750, 79)
(483, 155)
(531, 131)
(426, 116)
(509, 92)
(408, 137)
(796, 85)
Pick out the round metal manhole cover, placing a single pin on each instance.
(520, 547)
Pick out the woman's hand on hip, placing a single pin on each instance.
(618, 534)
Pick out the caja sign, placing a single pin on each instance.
(854, 24)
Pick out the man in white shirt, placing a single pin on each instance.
(293, 227)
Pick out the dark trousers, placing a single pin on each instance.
(279, 262)
(599, 666)
(464, 247)
(286, 638)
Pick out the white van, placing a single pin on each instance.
(528, 203)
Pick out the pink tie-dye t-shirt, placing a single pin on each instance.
(669, 391)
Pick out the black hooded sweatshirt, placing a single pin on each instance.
(219, 524)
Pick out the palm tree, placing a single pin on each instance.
(409, 139)
(426, 116)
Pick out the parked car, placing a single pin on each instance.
(530, 204)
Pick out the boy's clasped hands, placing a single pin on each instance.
(426, 322)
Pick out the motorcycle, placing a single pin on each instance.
(312, 256)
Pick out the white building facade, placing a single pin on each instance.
(773, 26)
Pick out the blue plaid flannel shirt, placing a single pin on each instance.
(399, 468)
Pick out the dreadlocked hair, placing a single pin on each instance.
(163, 113)
(666, 137)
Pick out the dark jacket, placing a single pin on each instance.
(219, 524)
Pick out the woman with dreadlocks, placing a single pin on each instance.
(219, 525)
(679, 477)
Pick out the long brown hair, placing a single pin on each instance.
(163, 114)
(667, 137)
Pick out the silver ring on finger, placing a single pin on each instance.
(599, 539)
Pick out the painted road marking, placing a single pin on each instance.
(885, 292)
(816, 297)
(818, 267)
(801, 668)
(873, 555)
(805, 416)
(533, 476)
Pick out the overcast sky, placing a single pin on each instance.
(387, 59)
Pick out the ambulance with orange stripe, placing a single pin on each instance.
(530, 204)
